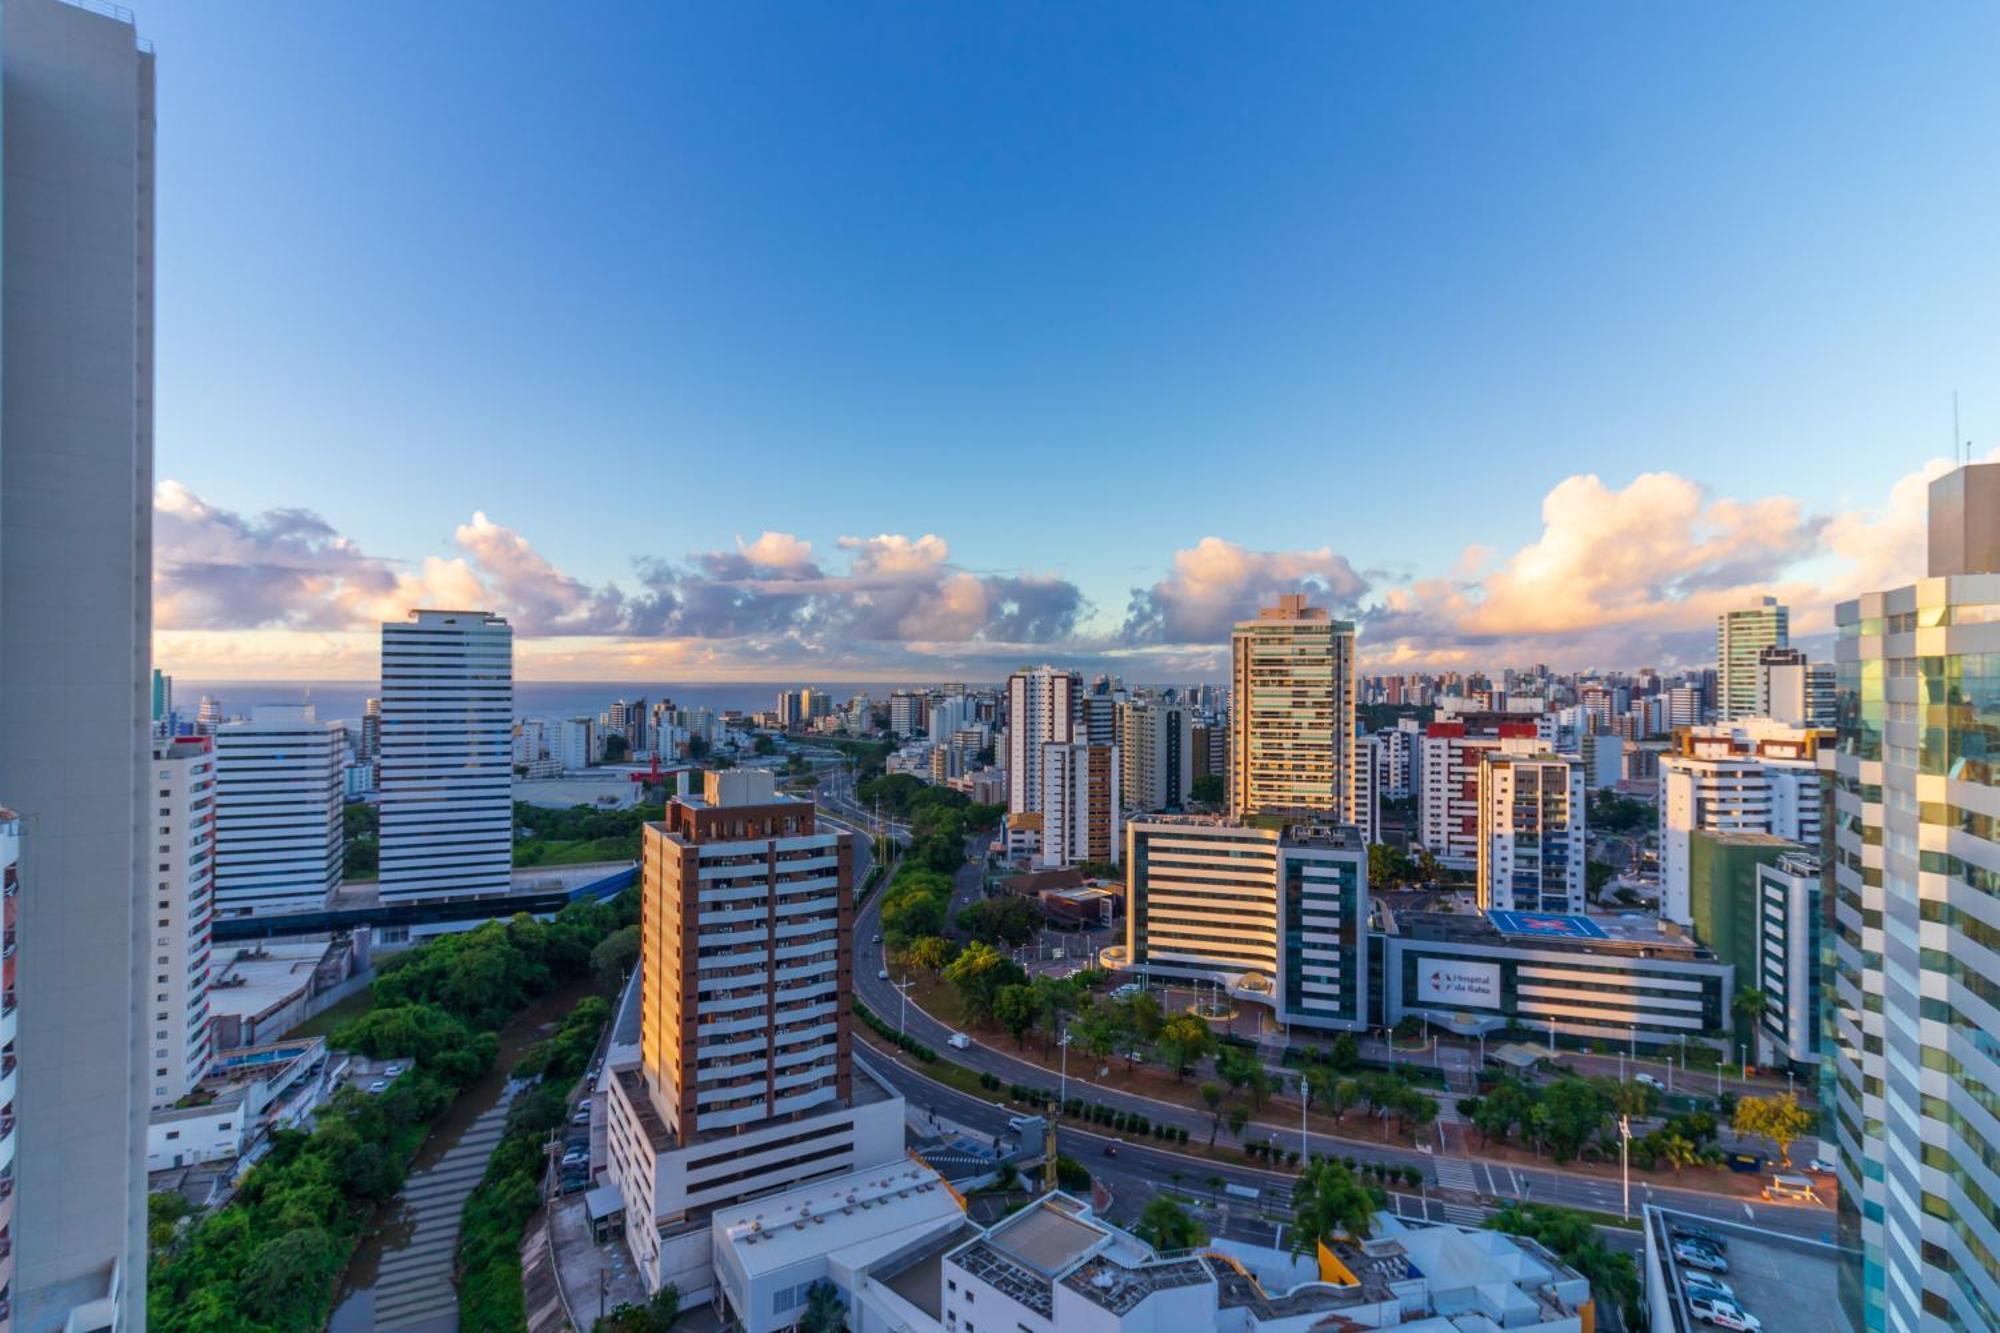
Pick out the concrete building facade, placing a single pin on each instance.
(1740, 640)
(1042, 709)
(183, 909)
(447, 773)
(1751, 776)
(1532, 830)
(1080, 809)
(279, 840)
(1292, 748)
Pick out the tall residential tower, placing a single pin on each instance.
(76, 514)
(1916, 877)
(1292, 739)
(1740, 640)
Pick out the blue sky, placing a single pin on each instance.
(1072, 288)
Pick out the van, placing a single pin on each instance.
(1648, 1080)
(1794, 1188)
(958, 1041)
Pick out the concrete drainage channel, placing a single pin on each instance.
(413, 1287)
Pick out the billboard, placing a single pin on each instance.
(1455, 981)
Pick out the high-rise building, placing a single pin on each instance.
(1753, 776)
(1916, 987)
(1080, 807)
(369, 748)
(1754, 899)
(1275, 917)
(208, 716)
(744, 1082)
(163, 700)
(1531, 830)
(1740, 639)
(447, 764)
(183, 908)
(906, 713)
(1042, 709)
(1155, 753)
(279, 840)
(948, 715)
(1291, 746)
(76, 513)
(1448, 785)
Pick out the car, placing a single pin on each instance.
(1821, 1166)
(379, 1085)
(583, 1103)
(1648, 1080)
(1723, 1313)
(882, 975)
(958, 1041)
(876, 940)
(572, 1159)
(580, 1118)
(1110, 1150)
(1700, 1235)
(1698, 1256)
(1698, 1282)
(393, 1070)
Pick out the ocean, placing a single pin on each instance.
(342, 700)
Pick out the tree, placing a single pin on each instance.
(1184, 1041)
(1596, 874)
(1239, 1116)
(655, 1316)
(1055, 1000)
(764, 745)
(1098, 1029)
(979, 974)
(1779, 1119)
(613, 959)
(930, 952)
(1345, 1096)
(1211, 1097)
(1345, 1053)
(1011, 921)
(1208, 789)
(286, 1276)
(1676, 1151)
(1327, 1201)
(1389, 866)
(1613, 1275)
(1165, 1225)
(1749, 1006)
(616, 747)
(1235, 1067)
(1016, 1009)
(1143, 1017)
(1570, 1112)
(825, 1311)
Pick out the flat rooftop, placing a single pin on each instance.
(258, 980)
(1625, 933)
(883, 1205)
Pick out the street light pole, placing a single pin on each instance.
(1062, 1088)
(1552, 1035)
(903, 1017)
(1305, 1099)
(1625, 1160)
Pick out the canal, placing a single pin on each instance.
(400, 1278)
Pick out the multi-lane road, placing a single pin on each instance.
(1491, 1179)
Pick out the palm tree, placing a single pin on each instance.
(825, 1311)
(1749, 1006)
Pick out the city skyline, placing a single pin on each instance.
(892, 345)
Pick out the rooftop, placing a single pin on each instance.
(881, 1207)
(1626, 933)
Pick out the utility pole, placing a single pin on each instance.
(1625, 1160)
(903, 1017)
(1305, 1100)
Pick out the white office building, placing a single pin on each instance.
(279, 843)
(1788, 959)
(1272, 917)
(948, 714)
(447, 773)
(76, 515)
(574, 744)
(1531, 830)
(1156, 754)
(183, 908)
(1752, 776)
(1042, 709)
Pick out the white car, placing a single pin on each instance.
(882, 975)
(379, 1085)
(958, 1041)
(393, 1070)
(1648, 1080)
(1699, 1283)
(1700, 1256)
(1723, 1313)
(1821, 1166)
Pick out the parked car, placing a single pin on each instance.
(1698, 1283)
(583, 1103)
(1821, 1166)
(379, 1085)
(580, 1118)
(958, 1041)
(393, 1070)
(1723, 1313)
(1700, 1256)
(1700, 1234)
(1649, 1081)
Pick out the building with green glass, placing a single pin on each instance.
(1915, 990)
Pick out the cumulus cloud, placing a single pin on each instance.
(1216, 583)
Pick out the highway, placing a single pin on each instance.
(1492, 1180)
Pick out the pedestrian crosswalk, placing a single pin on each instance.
(1464, 1214)
(1455, 1173)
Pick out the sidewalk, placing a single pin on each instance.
(585, 1269)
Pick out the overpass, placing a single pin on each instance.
(422, 911)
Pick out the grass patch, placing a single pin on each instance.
(326, 1020)
(581, 851)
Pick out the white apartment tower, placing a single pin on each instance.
(182, 911)
(1292, 741)
(1042, 709)
(1915, 995)
(1080, 807)
(745, 1083)
(1740, 640)
(1753, 776)
(279, 841)
(1531, 830)
(1156, 754)
(447, 773)
(76, 510)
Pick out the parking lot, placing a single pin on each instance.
(1786, 1285)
